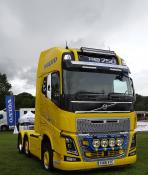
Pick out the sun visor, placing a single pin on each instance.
(97, 66)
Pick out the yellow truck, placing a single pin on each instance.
(84, 113)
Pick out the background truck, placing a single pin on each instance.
(84, 111)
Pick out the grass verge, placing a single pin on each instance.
(14, 163)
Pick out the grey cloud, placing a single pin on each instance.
(8, 66)
(12, 70)
(141, 83)
(58, 16)
(28, 27)
(28, 74)
(84, 42)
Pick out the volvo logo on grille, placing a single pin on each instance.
(105, 106)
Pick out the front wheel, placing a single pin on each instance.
(26, 147)
(47, 157)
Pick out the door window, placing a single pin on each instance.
(51, 86)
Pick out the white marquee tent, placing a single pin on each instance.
(27, 121)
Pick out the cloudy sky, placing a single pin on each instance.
(29, 26)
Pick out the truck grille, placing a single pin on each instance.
(90, 129)
(88, 125)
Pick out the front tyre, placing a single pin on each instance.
(47, 157)
(26, 146)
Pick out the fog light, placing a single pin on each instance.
(104, 143)
(112, 142)
(71, 159)
(119, 141)
(96, 143)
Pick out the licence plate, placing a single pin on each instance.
(105, 162)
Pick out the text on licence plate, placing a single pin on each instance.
(105, 162)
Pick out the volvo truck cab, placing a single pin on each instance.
(85, 115)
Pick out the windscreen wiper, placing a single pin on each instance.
(89, 95)
(114, 94)
(87, 92)
(120, 96)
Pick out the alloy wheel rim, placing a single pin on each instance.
(26, 147)
(46, 160)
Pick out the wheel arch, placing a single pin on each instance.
(45, 139)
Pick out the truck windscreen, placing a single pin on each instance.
(97, 83)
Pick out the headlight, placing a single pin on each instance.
(119, 141)
(70, 145)
(96, 143)
(112, 142)
(133, 144)
(104, 143)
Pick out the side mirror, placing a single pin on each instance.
(55, 87)
(134, 95)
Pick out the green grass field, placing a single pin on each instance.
(14, 163)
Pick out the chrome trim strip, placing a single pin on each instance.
(113, 69)
(104, 118)
(80, 112)
(101, 102)
(83, 63)
(88, 67)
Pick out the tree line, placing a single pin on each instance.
(141, 103)
(26, 100)
(22, 100)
